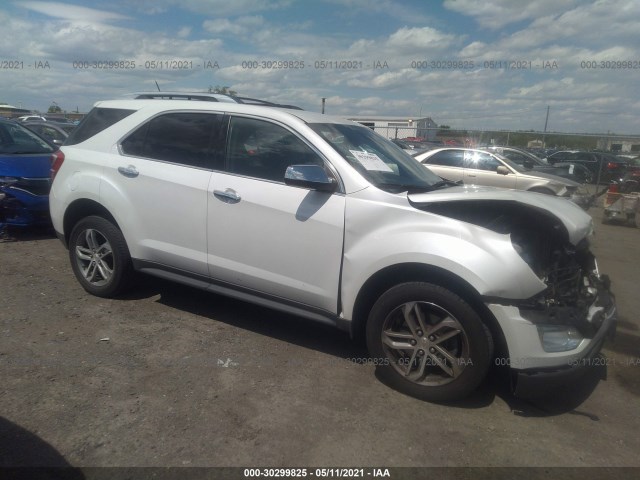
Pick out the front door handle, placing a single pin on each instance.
(228, 195)
(129, 171)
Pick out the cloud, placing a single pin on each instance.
(496, 14)
(419, 39)
(66, 11)
(238, 26)
(216, 8)
(184, 32)
(389, 8)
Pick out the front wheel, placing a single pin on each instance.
(428, 342)
(99, 256)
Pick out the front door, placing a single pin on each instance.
(268, 237)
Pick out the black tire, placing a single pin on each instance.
(99, 257)
(422, 375)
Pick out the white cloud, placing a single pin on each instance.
(498, 13)
(216, 8)
(390, 8)
(71, 12)
(184, 32)
(238, 26)
(416, 40)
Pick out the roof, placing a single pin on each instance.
(167, 105)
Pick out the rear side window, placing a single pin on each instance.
(96, 121)
(447, 158)
(191, 139)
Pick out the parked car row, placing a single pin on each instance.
(604, 167)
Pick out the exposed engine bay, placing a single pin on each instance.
(576, 293)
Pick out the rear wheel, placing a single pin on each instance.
(99, 256)
(428, 342)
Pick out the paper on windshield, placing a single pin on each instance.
(370, 161)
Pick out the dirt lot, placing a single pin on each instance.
(170, 376)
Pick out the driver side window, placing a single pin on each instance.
(261, 149)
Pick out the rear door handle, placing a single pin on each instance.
(228, 195)
(129, 171)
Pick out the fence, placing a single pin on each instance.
(529, 139)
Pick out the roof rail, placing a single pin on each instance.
(255, 101)
(206, 97)
(209, 97)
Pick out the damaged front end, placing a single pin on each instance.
(577, 299)
(564, 325)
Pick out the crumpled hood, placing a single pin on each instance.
(578, 223)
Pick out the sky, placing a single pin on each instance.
(491, 64)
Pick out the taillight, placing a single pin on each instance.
(614, 188)
(612, 165)
(56, 162)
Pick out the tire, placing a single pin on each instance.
(447, 364)
(99, 257)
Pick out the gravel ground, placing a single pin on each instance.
(170, 376)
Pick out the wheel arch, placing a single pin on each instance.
(394, 275)
(80, 209)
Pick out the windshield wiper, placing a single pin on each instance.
(444, 183)
(404, 187)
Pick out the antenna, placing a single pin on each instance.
(157, 85)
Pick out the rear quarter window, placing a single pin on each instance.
(96, 121)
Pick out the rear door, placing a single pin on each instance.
(164, 170)
(267, 237)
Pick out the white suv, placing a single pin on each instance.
(323, 218)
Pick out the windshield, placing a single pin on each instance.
(16, 139)
(377, 159)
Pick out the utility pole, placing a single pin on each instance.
(323, 102)
(546, 121)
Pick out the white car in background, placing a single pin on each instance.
(479, 167)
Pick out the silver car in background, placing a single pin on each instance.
(478, 167)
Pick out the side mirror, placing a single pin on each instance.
(528, 164)
(502, 170)
(313, 177)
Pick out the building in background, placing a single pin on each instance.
(399, 127)
(9, 111)
(619, 144)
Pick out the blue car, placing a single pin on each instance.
(25, 165)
